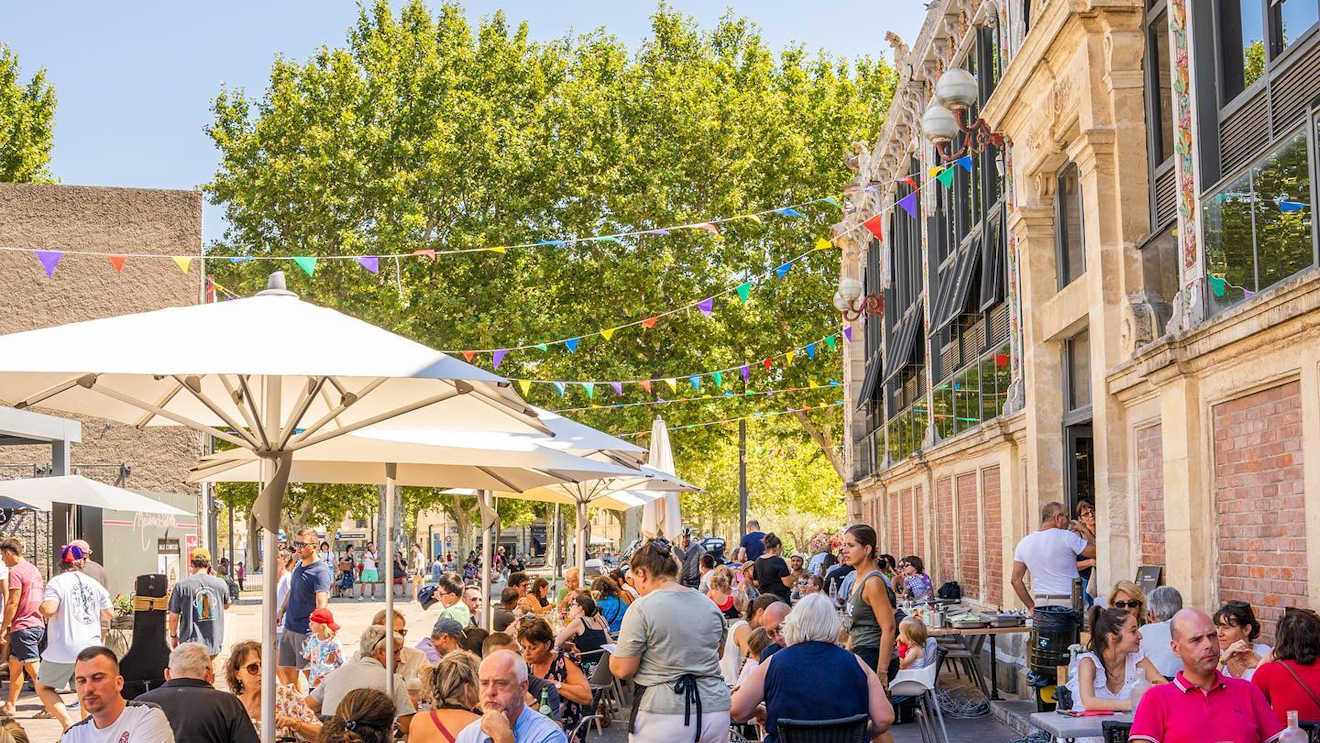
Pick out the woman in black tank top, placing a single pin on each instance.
(587, 629)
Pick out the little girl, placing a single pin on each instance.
(911, 643)
(322, 649)
(756, 644)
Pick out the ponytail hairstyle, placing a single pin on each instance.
(364, 716)
(1105, 622)
(865, 537)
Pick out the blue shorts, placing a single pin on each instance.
(23, 644)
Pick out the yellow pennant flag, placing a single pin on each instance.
(754, 218)
(935, 171)
(183, 262)
(823, 244)
(673, 384)
(525, 384)
(608, 332)
(788, 357)
(812, 384)
(498, 250)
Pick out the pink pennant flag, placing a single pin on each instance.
(646, 384)
(498, 356)
(706, 305)
(369, 262)
(617, 387)
(707, 226)
(49, 260)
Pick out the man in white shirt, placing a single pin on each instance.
(76, 608)
(366, 671)
(111, 719)
(1050, 555)
(1161, 605)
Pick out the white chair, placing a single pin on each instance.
(919, 683)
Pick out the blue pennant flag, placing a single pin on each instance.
(966, 162)
(572, 344)
(789, 211)
(559, 387)
(556, 243)
(811, 350)
(782, 269)
(695, 379)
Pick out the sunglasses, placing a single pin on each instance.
(300, 545)
(1127, 604)
(253, 668)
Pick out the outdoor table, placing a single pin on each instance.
(981, 633)
(1063, 727)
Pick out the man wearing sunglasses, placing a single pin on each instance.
(309, 589)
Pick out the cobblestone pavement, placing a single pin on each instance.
(243, 622)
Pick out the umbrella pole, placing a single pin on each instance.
(486, 557)
(271, 399)
(391, 474)
(580, 548)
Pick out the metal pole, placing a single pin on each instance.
(580, 548)
(271, 409)
(742, 478)
(486, 557)
(391, 474)
(231, 536)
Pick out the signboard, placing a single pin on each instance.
(1148, 578)
(167, 559)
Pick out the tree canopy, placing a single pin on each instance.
(424, 132)
(26, 113)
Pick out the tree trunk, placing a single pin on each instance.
(823, 436)
(464, 523)
(253, 535)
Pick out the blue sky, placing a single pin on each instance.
(134, 80)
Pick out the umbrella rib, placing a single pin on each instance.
(237, 396)
(309, 394)
(500, 480)
(49, 392)
(255, 418)
(164, 400)
(208, 403)
(499, 404)
(305, 439)
(238, 438)
(347, 399)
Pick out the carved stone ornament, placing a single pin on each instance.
(1017, 397)
(1138, 328)
(859, 159)
(1187, 310)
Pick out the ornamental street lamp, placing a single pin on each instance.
(849, 300)
(955, 92)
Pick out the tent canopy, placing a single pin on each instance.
(38, 493)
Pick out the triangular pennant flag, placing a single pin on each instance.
(1218, 286)
(744, 290)
(835, 383)
(695, 379)
(555, 243)
(873, 224)
(649, 322)
(847, 332)
(811, 351)
(946, 177)
(646, 384)
(706, 306)
(823, 244)
(608, 332)
(469, 355)
(788, 357)
(812, 384)
(525, 385)
(183, 262)
(673, 384)
(909, 204)
(719, 379)
(966, 162)
(369, 262)
(498, 356)
(746, 371)
(707, 226)
(935, 171)
(617, 387)
(908, 180)
(117, 261)
(831, 200)
(590, 387)
(767, 363)
(572, 344)
(656, 232)
(782, 269)
(753, 218)
(498, 249)
(542, 346)
(607, 239)
(789, 211)
(424, 253)
(307, 264)
(559, 387)
(830, 341)
(240, 259)
(51, 258)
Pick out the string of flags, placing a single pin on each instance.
(724, 421)
(728, 395)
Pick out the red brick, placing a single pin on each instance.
(994, 561)
(1150, 493)
(944, 535)
(969, 532)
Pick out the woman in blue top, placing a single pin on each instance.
(608, 603)
(812, 678)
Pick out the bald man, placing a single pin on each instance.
(507, 719)
(771, 618)
(1202, 704)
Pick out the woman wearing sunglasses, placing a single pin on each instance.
(292, 716)
(1127, 596)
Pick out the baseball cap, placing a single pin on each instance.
(83, 545)
(447, 626)
(324, 616)
(199, 553)
(72, 552)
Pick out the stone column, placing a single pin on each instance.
(1188, 503)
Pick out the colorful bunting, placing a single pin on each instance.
(469, 355)
(766, 363)
(543, 346)
(240, 259)
(498, 356)
(847, 332)
(744, 290)
(789, 211)
(911, 183)
(608, 332)
(500, 250)
(706, 306)
(118, 262)
(829, 341)
(746, 371)
(811, 351)
(649, 322)
(646, 384)
(424, 253)
(572, 344)
(590, 387)
(1218, 285)
(788, 357)
(873, 224)
(909, 204)
(559, 387)
(617, 387)
(525, 384)
(183, 262)
(946, 177)
(1291, 206)
(935, 171)
(673, 384)
(823, 244)
(707, 226)
(719, 378)
(51, 258)
(831, 200)
(966, 162)
(369, 262)
(695, 379)
(553, 243)
(782, 269)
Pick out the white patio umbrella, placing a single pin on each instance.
(268, 373)
(39, 493)
(662, 515)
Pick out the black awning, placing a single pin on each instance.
(955, 301)
(874, 367)
(898, 352)
(992, 269)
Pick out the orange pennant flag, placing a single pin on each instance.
(469, 355)
(646, 384)
(117, 261)
(649, 322)
(425, 254)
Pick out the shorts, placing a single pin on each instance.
(55, 675)
(23, 644)
(369, 576)
(289, 650)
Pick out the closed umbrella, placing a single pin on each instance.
(269, 373)
(662, 516)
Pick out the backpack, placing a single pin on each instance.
(950, 590)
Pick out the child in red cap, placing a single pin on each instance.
(322, 649)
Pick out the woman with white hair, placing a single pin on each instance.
(812, 678)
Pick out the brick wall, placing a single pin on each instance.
(944, 536)
(994, 561)
(969, 570)
(1259, 509)
(905, 497)
(1150, 494)
(919, 544)
(895, 522)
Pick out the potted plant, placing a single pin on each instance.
(123, 608)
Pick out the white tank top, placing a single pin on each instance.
(731, 662)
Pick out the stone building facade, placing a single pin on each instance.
(83, 287)
(1120, 305)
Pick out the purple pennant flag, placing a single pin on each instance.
(909, 203)
(617, 387)
(49, 260)
(706, 305)
(656, 232)
(847, 332)
(746, 371)
(498, 356)
(369, 262)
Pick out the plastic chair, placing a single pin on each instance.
(1113, 731)
(919, 683)
(843, 730)
(604, 687)
(582, 727)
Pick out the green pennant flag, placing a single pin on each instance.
(829, 341)
(719, 379)
(946, 177)
(831, 200)
(590, 387)
(308, 265)
(744, 290)
(543, 347)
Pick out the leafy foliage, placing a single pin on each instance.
(26, 112)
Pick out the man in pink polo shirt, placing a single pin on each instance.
(1202, 704)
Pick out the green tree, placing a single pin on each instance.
(26, 112)
(425, 133)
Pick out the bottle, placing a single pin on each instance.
(834, 593)
(1138, 689)
(545, 702)
(1293, 733)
